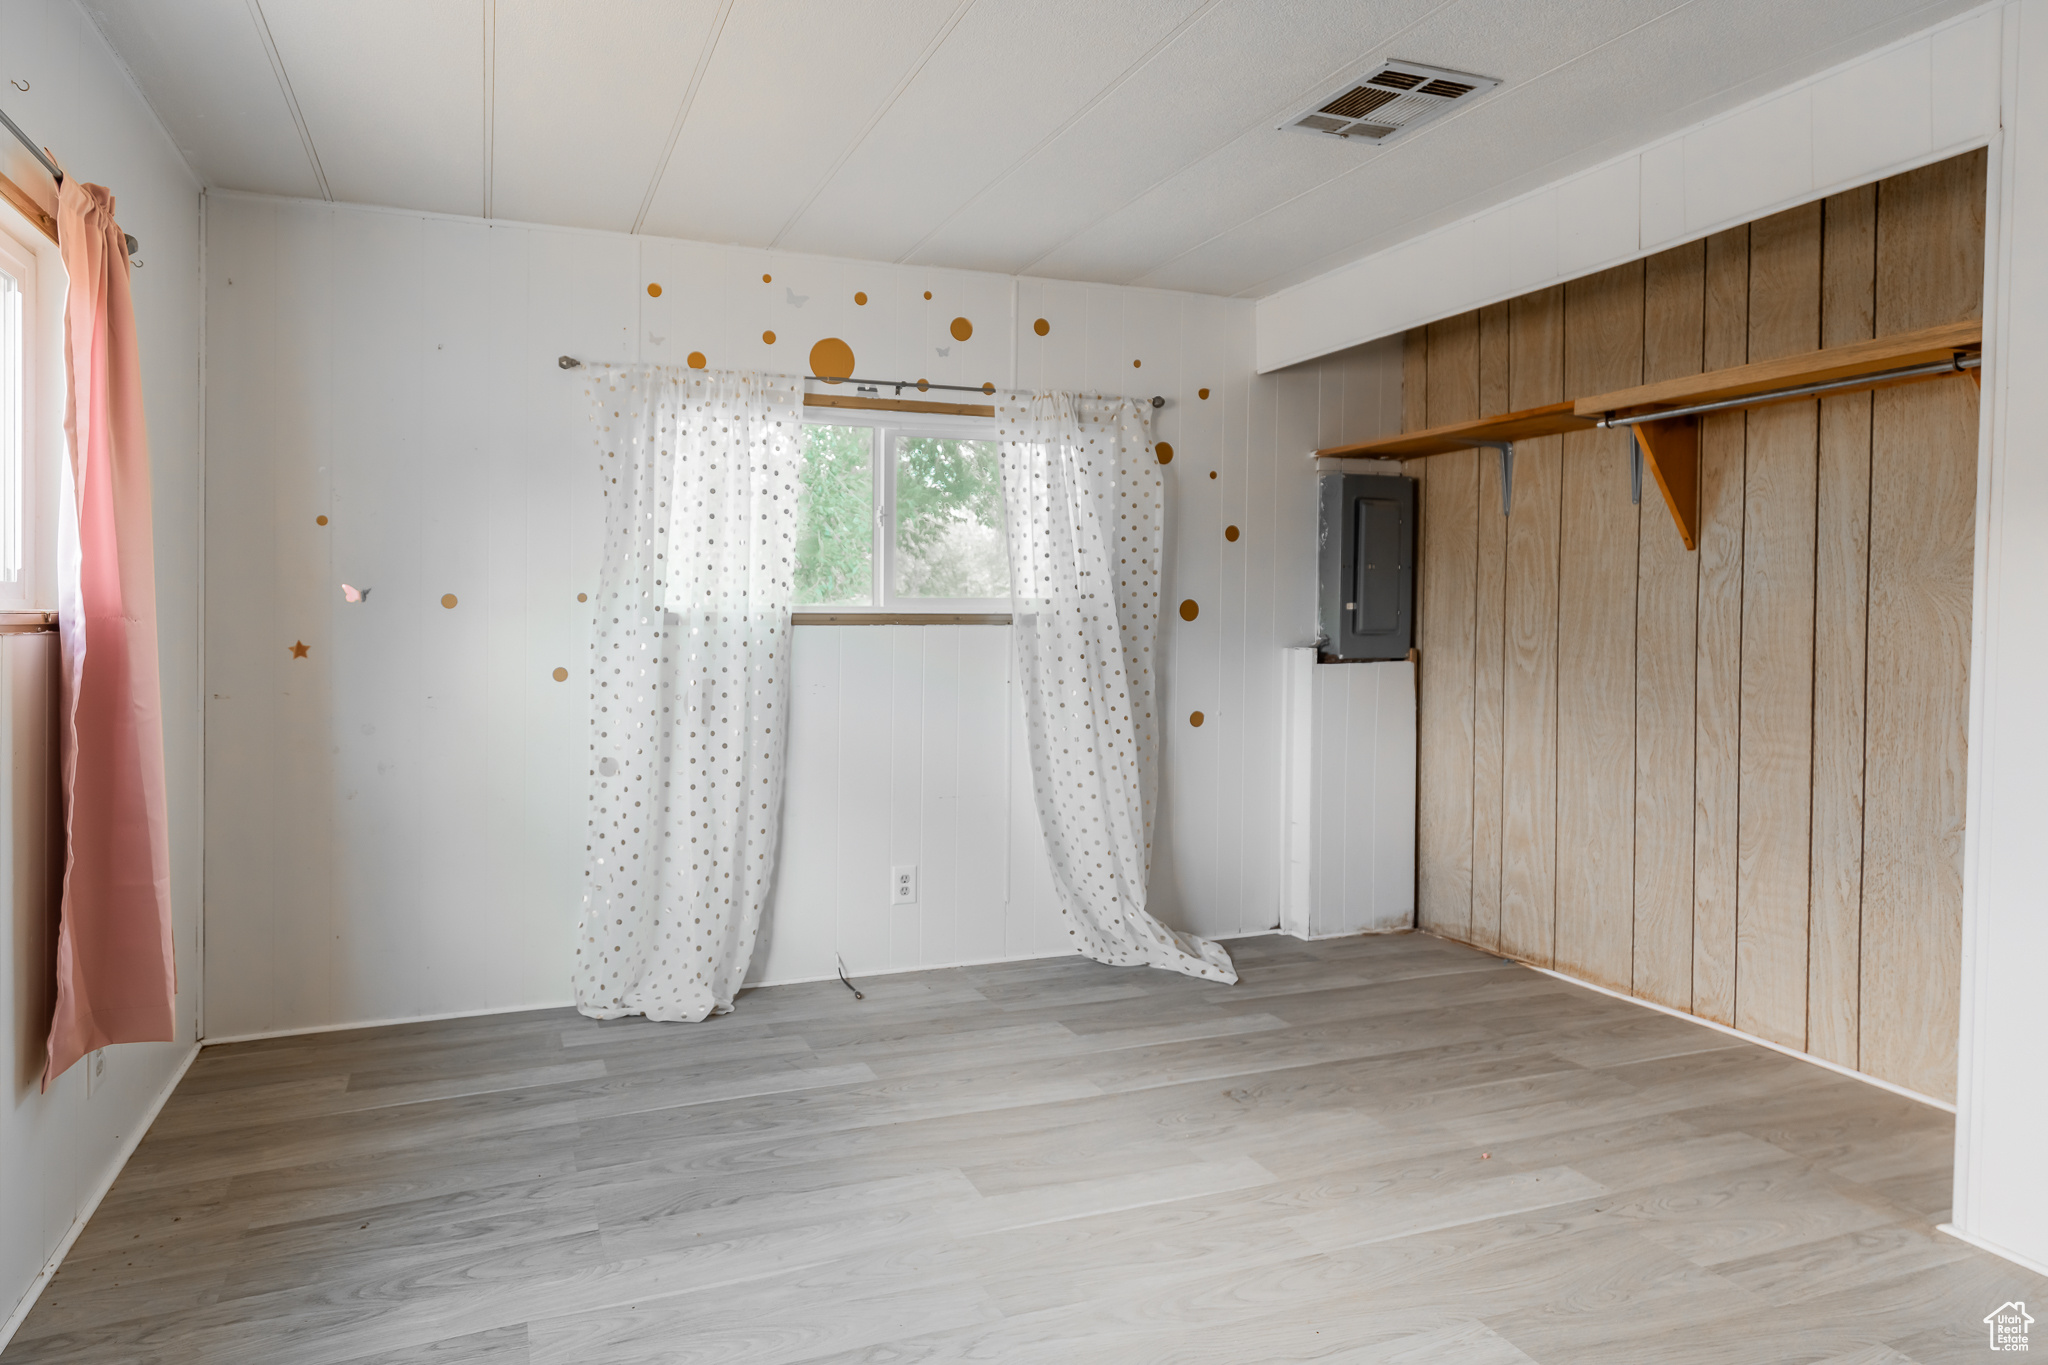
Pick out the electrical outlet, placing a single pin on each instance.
(903, 885)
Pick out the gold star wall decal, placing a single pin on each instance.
(299, 649)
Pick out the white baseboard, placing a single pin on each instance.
(977, 962)
(1986, 1244)
(84, 1216)
(1348, 933)
(1821, 1062)
(344, 1027)
(310, 1029)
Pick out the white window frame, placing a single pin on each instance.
(26, 472)
(886, 427)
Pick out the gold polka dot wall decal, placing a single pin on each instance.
(768, 337)
(961, 329)
(988, 388)
(1195, 718)
(1135, 364)
(924, 385)
(696, 360)
(653, 291)
(767, 279)
(582, 597)
(320, 520)
(1164, 450)
(860, 298)
(1212, 473)
(1189, 610)
(299, 649)
(448, 600)
(927, 293)
(561, 675)
(1202, 394)
(1230, 533)
(832, 359)
(1041, 327)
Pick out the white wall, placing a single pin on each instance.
(1918, 100)
(393, 819)
(906, 746)
(59, 1150)
(2001, 1196)
(1350, 797)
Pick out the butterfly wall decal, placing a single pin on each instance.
(795, 298)
(350, 594)
(943, 350)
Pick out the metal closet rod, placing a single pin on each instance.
(1751, 400)
(56, 173)
(570, 362)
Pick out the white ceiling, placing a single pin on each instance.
(1126, 141)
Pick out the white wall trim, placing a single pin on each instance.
(114, 1169)
(2001, 1194)
(749, 986)
(394, 1021)
(1829, 132)
(1821, 1062)
(782, 253)
(1986, 1244)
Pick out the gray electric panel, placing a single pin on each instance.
(1366, 598)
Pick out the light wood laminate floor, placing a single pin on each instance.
(1376, 1149)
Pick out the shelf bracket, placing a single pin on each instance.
(1635, 472)
(1506, 451)
(1670, 446)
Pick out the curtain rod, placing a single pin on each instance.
(56, 172)
(570, 362)
(33, 150)
(1959, 365)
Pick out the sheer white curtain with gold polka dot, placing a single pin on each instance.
(1084, 501)
(689, 682)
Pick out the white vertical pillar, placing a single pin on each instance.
(1298, 704)
(2001, 1189)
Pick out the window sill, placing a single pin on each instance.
(899, 618)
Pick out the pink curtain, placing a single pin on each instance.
(116, 977)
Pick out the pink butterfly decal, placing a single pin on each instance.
(354, 594)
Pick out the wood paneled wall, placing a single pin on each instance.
(1728, 781)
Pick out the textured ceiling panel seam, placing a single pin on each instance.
(675, 131)
(1151, 54)
(931, 49)
(291, 99)
(1260, 287)
(1322, 83)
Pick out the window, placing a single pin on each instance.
(17, 433)
(902, 513)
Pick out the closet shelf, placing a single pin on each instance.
(1552, 419)
(1664, 416)
(1927, 346)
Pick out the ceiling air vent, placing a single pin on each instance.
(1389, 101)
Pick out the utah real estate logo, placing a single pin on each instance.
(2008, 1326)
